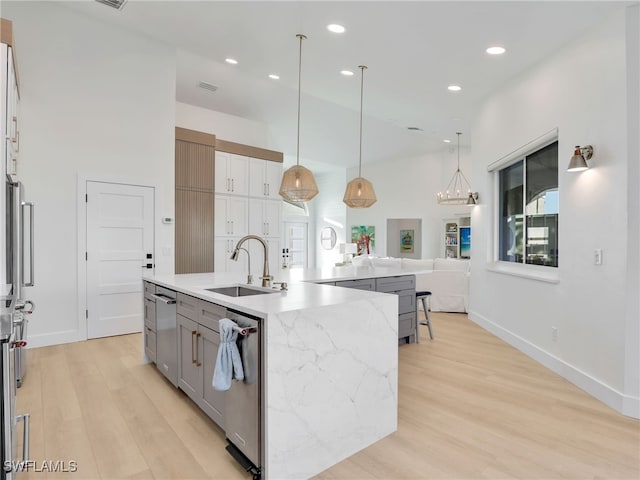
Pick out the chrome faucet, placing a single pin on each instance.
(266, 278)
(249, 276)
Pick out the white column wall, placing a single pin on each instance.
(581, 90)
(89, 105)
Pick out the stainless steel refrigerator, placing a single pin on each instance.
(16, 272)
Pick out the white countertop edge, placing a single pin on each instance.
(300, 296)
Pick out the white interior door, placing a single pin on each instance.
(120, 241)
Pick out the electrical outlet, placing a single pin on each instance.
(554, 334)
(597, 256)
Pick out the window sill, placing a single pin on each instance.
(531, 272)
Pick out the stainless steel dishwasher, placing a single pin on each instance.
(166, 334)
(243, 408)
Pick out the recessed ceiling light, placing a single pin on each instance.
(446, 140)
(496, 50)
(232, 61)
(347, 73)
(273, 76)
(335, 28)
(454, 88)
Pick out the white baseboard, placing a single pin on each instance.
(620, 402)
(56, 338)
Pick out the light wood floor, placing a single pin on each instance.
(471, 407)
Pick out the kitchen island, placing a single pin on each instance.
(329, 367)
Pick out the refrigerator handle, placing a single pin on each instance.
(31, 245)
(25, 435)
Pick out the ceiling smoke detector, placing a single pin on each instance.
(208, 86)
(117, 4)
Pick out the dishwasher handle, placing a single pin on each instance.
(164, 299)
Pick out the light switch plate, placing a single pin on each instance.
(597, 256)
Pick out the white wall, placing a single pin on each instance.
(223, 126)
(581, 91)
(632, 357)
(97, 100)
(406, 188)
(328, 205)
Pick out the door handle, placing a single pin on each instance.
(24, 418)
(193, 337)
(164, 299)
(31, 242)
(198, 363)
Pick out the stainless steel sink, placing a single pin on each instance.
(239, 291)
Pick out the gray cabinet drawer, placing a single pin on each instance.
(363, 284)
(406, 301)
(394, 284)
(150, 314)
(150, 344)
(149, 289)
(209, 315)
(187, 306)
(406, 325)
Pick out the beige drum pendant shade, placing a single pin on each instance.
(359, 192)
(298, 184)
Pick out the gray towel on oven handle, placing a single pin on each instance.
(228, 363)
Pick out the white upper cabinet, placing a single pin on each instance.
(265, 217)
(9, 108)
(230, 216)
(232, 172)
(264, 178)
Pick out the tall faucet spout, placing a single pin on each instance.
(266, 278)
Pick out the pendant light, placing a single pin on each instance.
(458, 190)
(298, 184)
(359, 192)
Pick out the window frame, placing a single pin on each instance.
(526, 270)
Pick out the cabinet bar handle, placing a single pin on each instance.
(198, 363)
(268, 190)
(193, 337)
(228, 185)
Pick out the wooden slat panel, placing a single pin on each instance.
(249, 151)
(194, 136)
(194, 231)
(194, 166)
(6, 31)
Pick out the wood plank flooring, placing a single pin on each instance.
(470, 407)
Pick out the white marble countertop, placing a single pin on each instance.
(300, 295)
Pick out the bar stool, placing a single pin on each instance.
(424, 297)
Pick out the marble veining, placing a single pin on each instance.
(332, 382)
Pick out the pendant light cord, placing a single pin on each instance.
(301, 37)
(362, 68)
(458, 133)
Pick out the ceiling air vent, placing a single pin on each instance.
(208, 86)
(415, 129)
(117, 4)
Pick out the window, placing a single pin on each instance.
(528, 209)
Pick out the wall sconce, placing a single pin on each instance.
(578, 162)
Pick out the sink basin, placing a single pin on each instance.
(239, 291)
